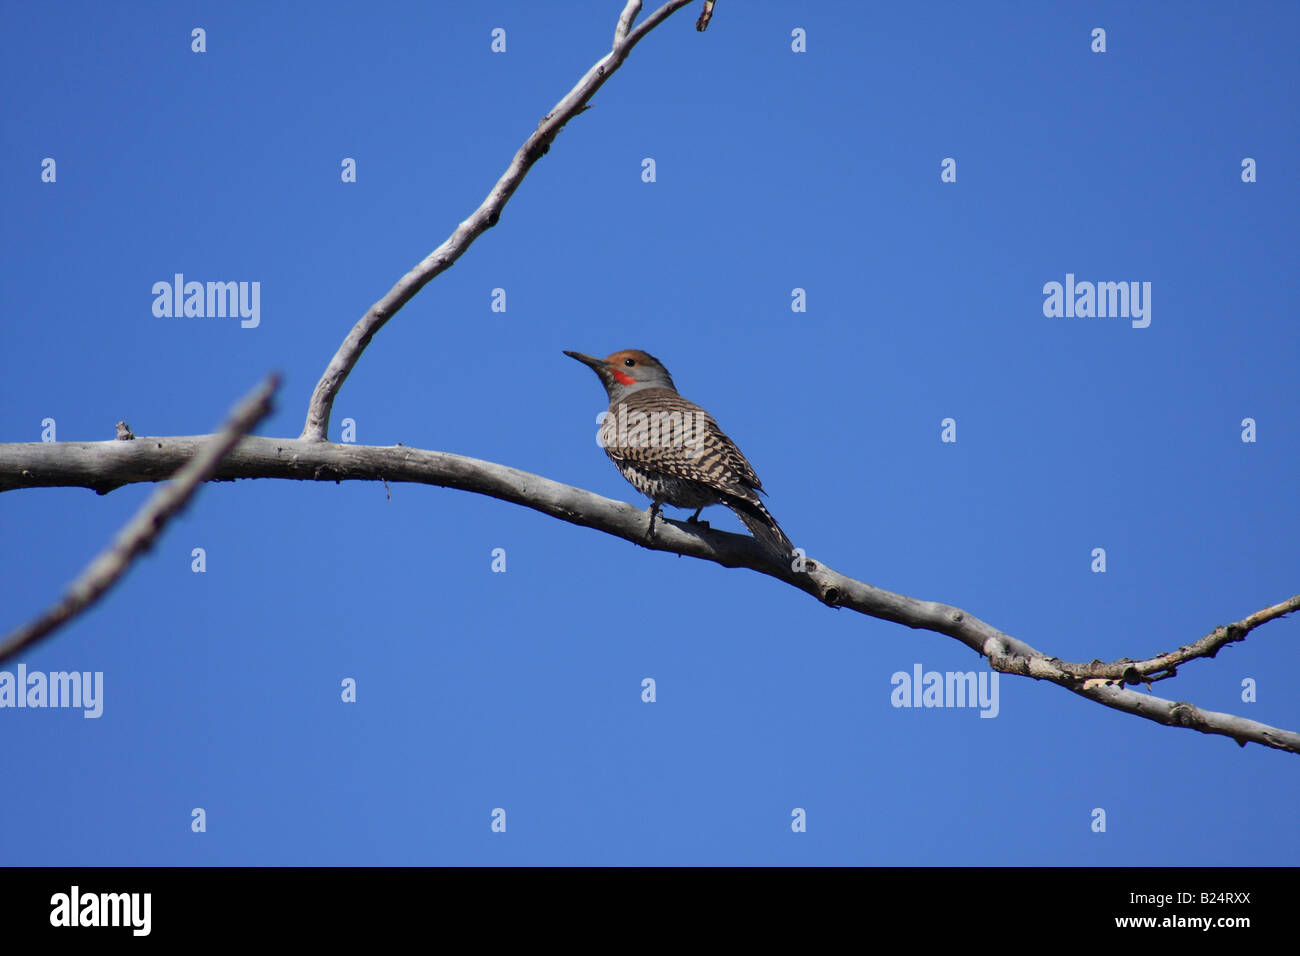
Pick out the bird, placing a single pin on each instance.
(672, 451)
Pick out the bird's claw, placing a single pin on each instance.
(650, 528)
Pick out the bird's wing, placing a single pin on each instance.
(661, 431)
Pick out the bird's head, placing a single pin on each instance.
(627, 371)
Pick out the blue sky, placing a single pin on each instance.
(775, 170)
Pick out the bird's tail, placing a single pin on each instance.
(762, 526)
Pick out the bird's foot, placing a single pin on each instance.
(650, 528)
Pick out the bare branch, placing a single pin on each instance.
(625, 20)
(482, 219)
(706, 15)
(652, 21)
(140, 532)
(110, 464)
(1183, 714)
(1165, 666)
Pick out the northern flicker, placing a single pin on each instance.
(671, 450)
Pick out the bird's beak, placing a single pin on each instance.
(595, 364)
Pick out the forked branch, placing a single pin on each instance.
(483, 218)
(103, 466)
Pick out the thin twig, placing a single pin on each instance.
(625, 20)
(706, 15)
(1164, 666)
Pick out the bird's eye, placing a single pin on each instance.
(629, 362)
